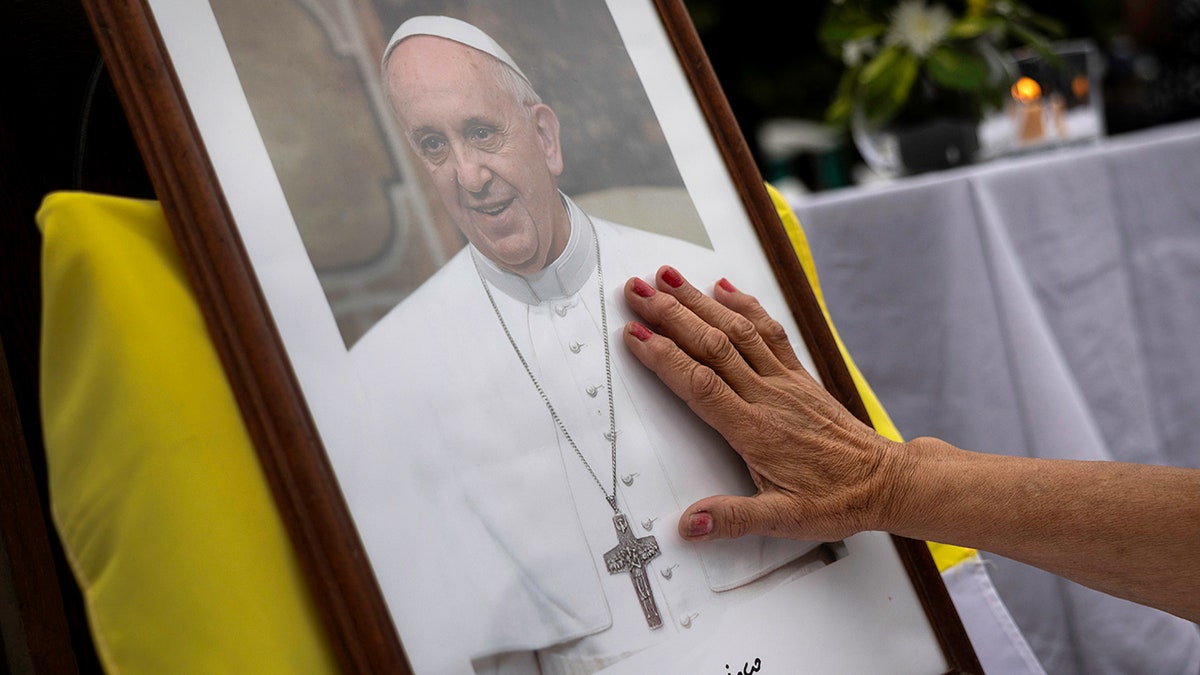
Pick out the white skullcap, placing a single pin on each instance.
(451, 29)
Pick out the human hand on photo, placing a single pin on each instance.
(821, 473)
(1125, 529)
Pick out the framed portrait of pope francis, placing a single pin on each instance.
(409, 222)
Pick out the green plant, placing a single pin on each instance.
(891, 49)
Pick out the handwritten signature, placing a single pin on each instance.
(747, 669)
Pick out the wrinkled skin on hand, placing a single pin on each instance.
(821, 473)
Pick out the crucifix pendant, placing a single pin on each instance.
(631, 555)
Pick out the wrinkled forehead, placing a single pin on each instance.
(425, 62)
(440, 85)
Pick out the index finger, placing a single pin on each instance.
(739, 330)
(699, 386)
(694, 335)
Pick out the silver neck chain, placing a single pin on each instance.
(612, 417)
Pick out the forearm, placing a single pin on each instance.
(1126, 529)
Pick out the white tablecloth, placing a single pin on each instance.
(1046, 306)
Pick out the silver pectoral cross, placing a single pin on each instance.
(631, 555)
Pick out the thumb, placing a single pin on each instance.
(728, 517)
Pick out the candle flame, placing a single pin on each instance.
(1026, 90)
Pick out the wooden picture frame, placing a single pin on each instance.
(291, 429)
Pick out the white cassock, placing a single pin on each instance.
(486, 530)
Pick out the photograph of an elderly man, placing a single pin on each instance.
(545, 469)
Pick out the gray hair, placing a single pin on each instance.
(515, 84)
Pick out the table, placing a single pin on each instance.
(1046, 306)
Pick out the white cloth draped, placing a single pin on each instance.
(1046, 307)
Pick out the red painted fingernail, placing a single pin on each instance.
(699, 524)
(639, 331)
(671, 276)
(642, 288)
(724, 283)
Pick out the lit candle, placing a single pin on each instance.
(1028, 110)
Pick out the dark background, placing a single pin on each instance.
(62, 128)
(771, 66)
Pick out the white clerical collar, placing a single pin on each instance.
(561, 278)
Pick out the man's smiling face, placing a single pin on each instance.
(494, 160)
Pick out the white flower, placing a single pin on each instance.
(854, 51)
(918, 27)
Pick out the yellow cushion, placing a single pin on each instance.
(155, 488)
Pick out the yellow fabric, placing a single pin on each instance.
(945, 555)
(155, 488)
